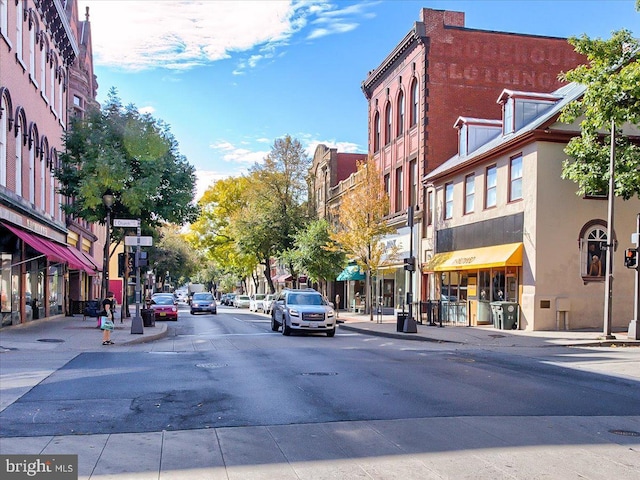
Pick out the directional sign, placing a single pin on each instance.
(140, 241)
(635, 238)
(126, 222)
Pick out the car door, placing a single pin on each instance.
(278, 308)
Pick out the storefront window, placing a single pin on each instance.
(56, 299)
(5, 288)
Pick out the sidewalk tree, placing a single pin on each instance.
(612, 80)
(361, 225)
(276, 209)
(313, 253)
(134, 156)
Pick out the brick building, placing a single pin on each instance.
(45, 64)
(440, 71)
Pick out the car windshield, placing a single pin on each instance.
(305, 299)
(163, 300)
(243, 297)
(202, 296)
(259, 297)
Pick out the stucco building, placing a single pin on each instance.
(505, 226)
(45, 70)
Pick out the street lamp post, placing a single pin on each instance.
(107, 200)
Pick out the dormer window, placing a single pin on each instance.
(521, 108)
(475, 132)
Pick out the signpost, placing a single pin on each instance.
(137, 241)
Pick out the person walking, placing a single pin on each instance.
(337, 305)
(107, 309)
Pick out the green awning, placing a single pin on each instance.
(351, 272)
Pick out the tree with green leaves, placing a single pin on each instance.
(276, 209)
(612, 80)
(314, 254)
(132, 155)
(172, 253)
(361, 225)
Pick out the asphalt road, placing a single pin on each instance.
(231, 370)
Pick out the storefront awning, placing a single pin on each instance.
(285, 277)
(475, 258)
(351, 272)
(53, 251)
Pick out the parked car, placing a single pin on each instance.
(203, 302)
(241, 301)
(302, 310)
(165, 295)
(230, 298)
(181, 295)
(255, 303)
(164, 308)
(267, 302)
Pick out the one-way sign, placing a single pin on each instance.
(140, 241)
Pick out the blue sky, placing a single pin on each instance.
(230, 77)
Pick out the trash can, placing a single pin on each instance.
(400, 321)
(510, 314)
(148, 317)
(497, 313)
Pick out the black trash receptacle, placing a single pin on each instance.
(401, 318)
(148, 317)
(510, 311)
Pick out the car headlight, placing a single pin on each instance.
(330, 314)
(293, 312)
(174, 309)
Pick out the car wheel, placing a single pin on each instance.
(331, 333)
(274, 325)
(286, 329)
(192, 312)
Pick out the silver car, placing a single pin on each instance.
(302, 310)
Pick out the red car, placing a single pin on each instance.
(164, 308)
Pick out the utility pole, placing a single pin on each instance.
(608, 283)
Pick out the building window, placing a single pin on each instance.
(32, 53)
(469, 193)
(19, 44)
(593, 241)
(400, 113)
(387, 189)
(399, 189)
(3, 141)
(490, 193)
(413, 182)
(3, 18)
(507, 117)
(414, 103)
(387, 124)
(448, 201)
(430, 206)
(376, 132)
(515, 178)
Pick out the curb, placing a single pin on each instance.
(398, 335)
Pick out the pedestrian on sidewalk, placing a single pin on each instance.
(337, 305)
(107, 317)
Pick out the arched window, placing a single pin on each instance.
(387, 124)
(414, 103)
(400, 128)
(20, 136)
(376, 132)
(593, 242)
(4, 127)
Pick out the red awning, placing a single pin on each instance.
(52, 250)
(89, 265)
(285, 277)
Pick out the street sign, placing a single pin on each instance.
(139, 241)
(126, 222)
(635, 239)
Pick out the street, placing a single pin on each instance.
(231, 374)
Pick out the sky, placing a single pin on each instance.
(231, 77)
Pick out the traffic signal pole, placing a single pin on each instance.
(634, 330)
(136, 321)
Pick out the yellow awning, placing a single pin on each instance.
(485, 257)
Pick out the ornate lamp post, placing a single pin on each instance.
(107, 200)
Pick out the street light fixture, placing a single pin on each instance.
(107, 200)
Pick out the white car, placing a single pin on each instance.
(267, 303)
(255, 303)
(241, 301)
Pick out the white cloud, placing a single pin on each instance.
(243, 156)
(148, 109)
(140, 34)
(205, 179)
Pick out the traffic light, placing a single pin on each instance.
(631, 258)
(410, 264)
(121, 265)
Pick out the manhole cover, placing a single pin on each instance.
(50, 340)
(212, 365)
(320, 374)
(625, 433)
